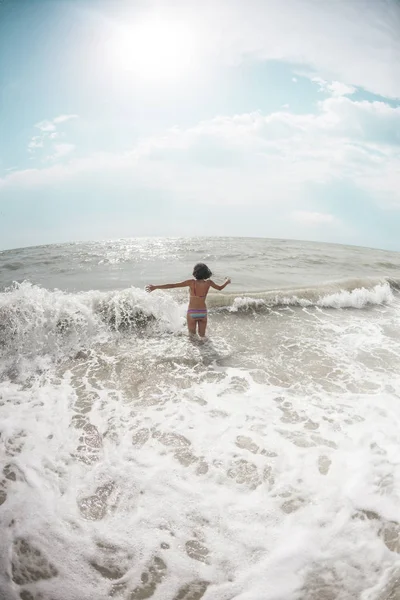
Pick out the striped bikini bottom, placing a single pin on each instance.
(197, 313)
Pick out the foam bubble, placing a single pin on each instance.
(354, 298)
(261, 464)
(37, 321)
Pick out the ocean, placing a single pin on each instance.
(262, 464)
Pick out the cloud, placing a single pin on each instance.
(340, 89)
(367, 121)
(357, 43)
(67, 171)
(45, 126)
(61, 150)
(335, 88)
(51, 125)
(36, 142)
(49, 133)
(312, 218)
(253, 158)
(63, 118)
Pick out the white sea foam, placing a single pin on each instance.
(35, 320)
(358, 297)
(260, 465)
(155, 467)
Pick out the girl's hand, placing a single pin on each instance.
(150, 288)
(228, 280)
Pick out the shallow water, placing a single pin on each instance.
(137, 463)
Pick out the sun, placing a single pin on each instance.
(154, 48)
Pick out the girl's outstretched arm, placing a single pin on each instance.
(219, 287)
(167, 286)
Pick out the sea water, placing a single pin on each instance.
(262, 464)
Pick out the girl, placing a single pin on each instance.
(199, 286)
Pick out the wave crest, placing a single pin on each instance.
(36, 321)
(343, 294)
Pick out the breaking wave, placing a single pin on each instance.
(354, 293)
(34, 320)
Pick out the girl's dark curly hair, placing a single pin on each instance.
(201, 271)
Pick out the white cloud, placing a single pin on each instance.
(340, 89)
(312, 218)
(63, 118)
(357, 43)
(61, 150)
(48, 134)
(368, 121)
(45, 126)
(36, 142)
(254, 158)
(335, 88)
(70, 170)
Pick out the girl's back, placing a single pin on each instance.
(198, 293)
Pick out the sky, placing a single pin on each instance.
(127, 118)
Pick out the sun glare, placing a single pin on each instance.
(154, 48)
